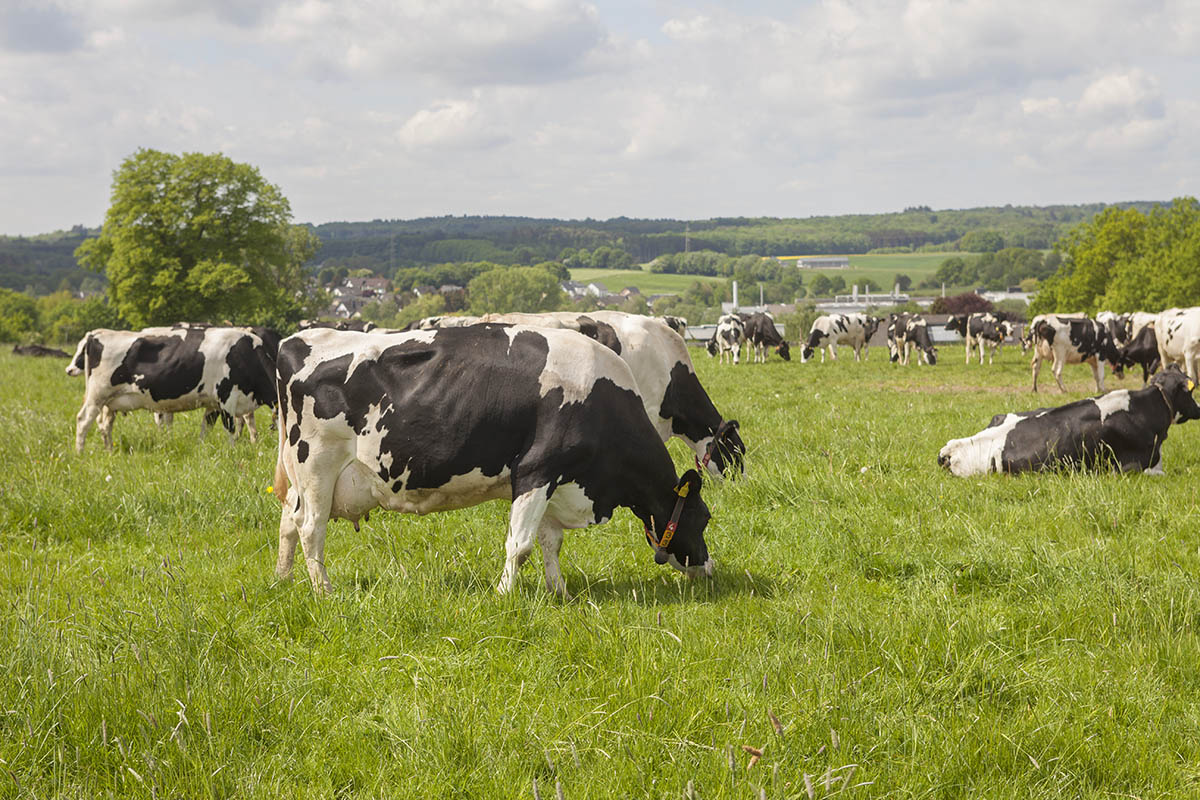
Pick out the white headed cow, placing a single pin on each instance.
(427, 421)
(831, 330)
(727, 338)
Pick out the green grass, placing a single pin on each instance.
(1001, 637)
(647, 282)
(883, 268)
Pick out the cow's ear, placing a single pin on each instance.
(690, 480)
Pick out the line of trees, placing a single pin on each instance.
(1128, 260)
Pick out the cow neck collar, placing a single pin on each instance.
(1170, 408)
(702, 463)
(660, 545)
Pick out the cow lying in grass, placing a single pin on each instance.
(1124, 429)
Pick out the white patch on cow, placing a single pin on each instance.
(978, 454)
(1112, 402)
(461, 491)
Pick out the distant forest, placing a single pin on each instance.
(43, 264)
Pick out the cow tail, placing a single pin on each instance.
(280, 487)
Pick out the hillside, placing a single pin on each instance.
(45, 263)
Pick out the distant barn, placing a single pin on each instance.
(823, 262)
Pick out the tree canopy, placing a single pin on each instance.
(199, 237)
(1126, 260)
(528, 289)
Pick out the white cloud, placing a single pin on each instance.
(569, 108)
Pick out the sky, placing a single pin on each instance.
(385, 109)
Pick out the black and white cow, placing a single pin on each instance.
(727, 338)
(337, 325)
(1117, 324)
(978, 330)
(915, 336)
(831, 330)
(761, 333)
(895, 327)
(1072, 340)
(1178, 334)
(675, 401)
(169, 370)
(1142, 352)
(1123, 429)
(427, 421)
(1138, 320)
(677, 324)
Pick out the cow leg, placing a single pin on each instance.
(1190, 366)
(550, 537)
(1097, 373)
(527, 512)
(83, 423)
(289, 537)
(832, 352)
(249, 419)
(107, 417)
(1057, 368)
(1035, 366)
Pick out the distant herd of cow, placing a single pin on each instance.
(566, 414)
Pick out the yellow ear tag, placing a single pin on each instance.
(684, 489)
(1191, 384)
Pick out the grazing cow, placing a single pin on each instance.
(895, 327)
(1142, 352)
(433, 420)
(675, 402)
(1123, 429)
(831, 330)
(1117, 324)
(1178, 334)
(677, 324)
(915, 336)
(978, 330)
(39, 351)
(1027, 339)
(727, 338)
(761, 333)
(1073, 340)
(169, 370)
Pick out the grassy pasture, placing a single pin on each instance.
(914, 634)
(884, 267)
(647, 282)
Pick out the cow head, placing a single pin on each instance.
(958, 324)
(686, 549)
(1176, 388)
(785, 352)
(710, 347)
(1107, 350)
(726, 449)
(85, 351)
(810, 347)
(870, 325)
(931, 356)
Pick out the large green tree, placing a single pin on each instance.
(515, 289)
(200, 237)
(1124, 260)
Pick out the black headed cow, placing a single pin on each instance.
(1142, 352)
(1072, 340)
(761, 333)
(915, 336)
(1123, 429)
(675, 401)
(727, 338)
(169, 370)
(426, 421)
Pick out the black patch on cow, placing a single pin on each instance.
(470, 399)
(760, 330)
(302, 452)
(602, 332)
(166, 367)
(94, 349)
(250, 370)
(1143, 352)
(294, 435)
